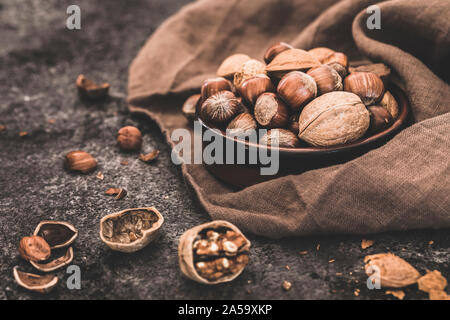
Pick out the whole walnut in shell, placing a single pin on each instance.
(332, 119)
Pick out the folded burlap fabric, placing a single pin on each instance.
(404, 184)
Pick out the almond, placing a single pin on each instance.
(292, 59)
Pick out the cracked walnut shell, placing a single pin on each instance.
(213, 252)
(132, 229)
(334, 118)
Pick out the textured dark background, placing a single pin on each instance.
(40, 60)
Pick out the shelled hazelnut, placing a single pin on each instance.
(275, 50)
(367, 85)
(241, 125)
(34, 248)
(297, 89)
(213, 253)
(271, 111)
(129, 138)
(220, 108)
(281, 138)
(326, 78)
(248, 70)
(80, 161)
(253, 87)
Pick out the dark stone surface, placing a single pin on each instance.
(40, 60)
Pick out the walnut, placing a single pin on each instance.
(334, 118)
(213, 252)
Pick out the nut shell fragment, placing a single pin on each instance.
(186, 252)
(248, 70)
(90, 90)
(332, 119)
(35, 282)
(132, 229)
(58, 234)
(394, 271)
(55, 264)
(433, 280)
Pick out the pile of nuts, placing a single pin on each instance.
(311, 96)
(214, 252)
(37, 249)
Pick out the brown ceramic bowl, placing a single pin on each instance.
(297, 160)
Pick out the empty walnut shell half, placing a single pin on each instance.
(58, 234)
(55, 264)
(35, 282)
(132, 229)
(213, 252)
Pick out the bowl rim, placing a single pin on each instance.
(398, 94)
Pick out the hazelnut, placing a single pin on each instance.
(80, 161)
(367, 85)
(380, 119)
(189, 107)
(297, 89)
(281, 138)
(212, 86)
(241, 125)
(321, 53)
(253, 87)
(326, 78)
(220, 108)
(231, 65)
(129, 138)
(34, 248)
(390, 104)
(380, 69)
(339, 68)
(334, 118)
(271, 111)
(248, 70)
(275, 50)
(337, 57)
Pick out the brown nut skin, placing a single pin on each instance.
(367, 85)
(390, 104)
(129, 138)
(80, 161)
(326, 78)
(231, 65)
(253, 87)
(380, 69)
(321, 53)
(34, 248)
(293, 123)
(220, 108)
(248, 70)
(380, 119)
(297, 89)
(212, 86)
(280, 137)
(339, 68)
(189, 107)
(275, 50)
(271, 111)
(186, 251)
(337, 57)
(241, 125)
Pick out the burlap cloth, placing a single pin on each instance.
(402, 185)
